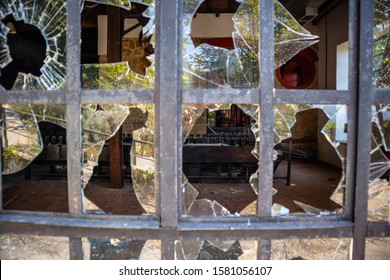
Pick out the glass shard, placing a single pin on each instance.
(115, 76)
(49, 19)
(379, 201)
(210, 67)
(125, 4)
(381, 61)
(21, 140)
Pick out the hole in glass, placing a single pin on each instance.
(213, 24)
(27, 48)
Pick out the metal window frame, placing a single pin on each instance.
(169, 224)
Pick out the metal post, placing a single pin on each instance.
(365, 95)
(73, 109)
(168, 142)
(76, 248)
(2, 119)
(266, 56)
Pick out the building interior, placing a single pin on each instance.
(219, 149)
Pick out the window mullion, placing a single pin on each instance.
(168, 115)
(73, 108)
(365, 97)
(265, 180)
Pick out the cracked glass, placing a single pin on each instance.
(121, 249)
(382, 44)
(215, 250)
(207, 63)
(30, 132)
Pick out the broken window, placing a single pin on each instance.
(35, 134)
(214, 59)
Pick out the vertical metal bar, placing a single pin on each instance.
(353, 52)
(365, 95)
(168, 249)
(266, 108)
(266, 57)
(168, 139)
(76, 248)
(73, 109)
(264, 250)
(2, 119)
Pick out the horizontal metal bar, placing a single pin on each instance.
(204, 231)
(266, 231)
(251, 96)
(382, 96)
(118, 96)
(302, 218)
(378, 229)
(221, 95)
(85, 221)
(33, 97)
(190, 96)
(289, 96)
(102, 96)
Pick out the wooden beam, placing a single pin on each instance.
(114, 55)
(116, 159)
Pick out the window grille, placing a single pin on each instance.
(169, 224)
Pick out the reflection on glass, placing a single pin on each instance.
(115, 249)
(28, 247)
(311, 249)
(379, 201)
(208, 63)
(133, 56)
(382, 44)
(32, 44)
(121, 249)
(379, 187)
(215, 250)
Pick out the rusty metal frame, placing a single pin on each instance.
(169, 224)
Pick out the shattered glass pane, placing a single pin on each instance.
(114, 76)
(379, 201)
(379, 188)
(21, 140)
(29, 247)
(382, 44)
(136, 53)
(26, 62)
(142, 162)
(126, 4)
(215, 250)
(311, 249)
(121, 249)
(137, 126)
(208, 66)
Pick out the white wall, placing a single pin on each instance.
(333, 67)
(211, 26)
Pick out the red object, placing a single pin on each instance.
(226, 42)
(299, 72)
